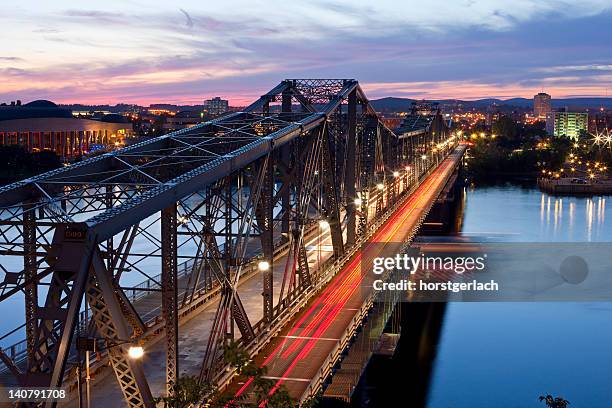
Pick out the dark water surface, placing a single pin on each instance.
(506, 354)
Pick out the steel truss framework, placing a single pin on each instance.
(206, 201)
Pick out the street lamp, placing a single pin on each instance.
(358, 201)
(135, 352)
(380, 186)
(396, 174)
(263, 266)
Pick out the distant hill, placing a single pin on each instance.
(403, 104)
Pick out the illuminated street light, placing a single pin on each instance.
(263, 266)
(324, 224)
(135, 352)
(380, 186)
(358, 201)
(424, 157)
(396, 174)
(407, 168)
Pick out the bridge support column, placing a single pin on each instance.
(265, 224)
(112, 326)
(56, 320)
(29, 267)
(331, 194)
(350, 179)
(284, 159)
(169, 293)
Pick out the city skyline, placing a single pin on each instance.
(154, 52)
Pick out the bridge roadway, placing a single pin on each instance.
(299, 357)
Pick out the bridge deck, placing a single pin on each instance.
(295, 357)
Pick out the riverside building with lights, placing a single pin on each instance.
(42, 125)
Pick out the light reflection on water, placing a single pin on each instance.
(507, 354)
(528, 215)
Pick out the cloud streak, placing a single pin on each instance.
(153, 51)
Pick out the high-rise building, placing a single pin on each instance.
(216, 106)
(541, 105)
(567, 123)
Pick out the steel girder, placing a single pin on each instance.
(265, 222)
(111, 325)
(170, 293)
(332, 205)
(350, 179)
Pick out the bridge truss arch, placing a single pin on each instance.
(193, 211)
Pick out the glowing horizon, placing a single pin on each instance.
(407, 90)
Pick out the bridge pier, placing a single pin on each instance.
(446, 214)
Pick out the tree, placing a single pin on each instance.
(190, 392)
(46, 160)
(505, 128)
(262, 387)
(187, 392)
(554, 402)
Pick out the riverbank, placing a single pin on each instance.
(574, 186)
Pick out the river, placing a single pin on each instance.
(507, 354)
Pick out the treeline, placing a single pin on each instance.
(17, 163)
(515, 150)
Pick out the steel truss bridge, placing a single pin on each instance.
(196, 212)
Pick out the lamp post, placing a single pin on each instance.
(89, 344)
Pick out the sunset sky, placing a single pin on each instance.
(185, 51)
